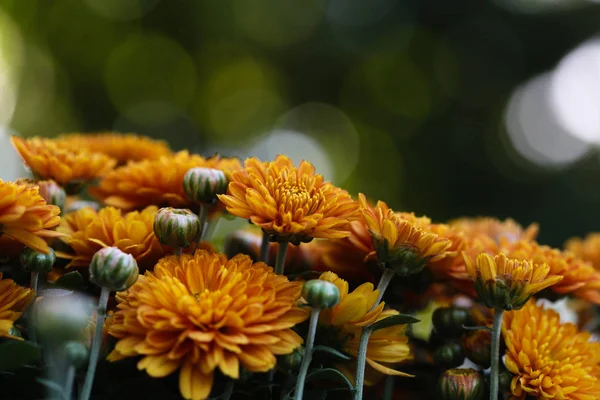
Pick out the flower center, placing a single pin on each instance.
(294, 196)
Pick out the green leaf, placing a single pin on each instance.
(330, 374)
(15, 353)
(72, 280)
(333, 352)
(399, 319)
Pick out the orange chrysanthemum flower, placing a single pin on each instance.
(88, 231)
(14, 300)
(347, 257)
(507, 283)
(203, 311)
(588, 249)
(121, 146)
(342, 324)
(575, 272)
(499, 231)
(25, 216)
(156, 182)
(549, 360)
(290, 203)
(68, 167)
(402, 239)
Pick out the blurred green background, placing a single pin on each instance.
(445, 108)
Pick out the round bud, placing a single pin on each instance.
(76, 353)
(15, 332)
(320, 294)
(61, 317)
(504, 380)
(477, 345)
(461, 384)
(449, 355)
(113, 269)
(177, 227)
(33, 261)
(244, 242)
(290, 363)
(449, 321)
(202, 185)
(52, 193)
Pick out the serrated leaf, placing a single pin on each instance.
(330, 374)
(333, 352)
(15, 353)
(399, 319)
(73, 280)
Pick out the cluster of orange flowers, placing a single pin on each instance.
(205, 311)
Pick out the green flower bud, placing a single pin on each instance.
(461, 384)
(52, 193)
(450, 320)
(14, 331)
(504, 380)
(320, 294)
(76, 353)
(290, 363)
(477, 347)
(62, 316)
(33, 261)
(449, 355)
(202, 185)
(177, 227)
(113, 269)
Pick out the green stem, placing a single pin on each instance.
(385, 280)
(228, 390)
(69, 382)
(202, 214)
(310, 340)
(361, 361)
(496, 333)
(264, 248)
(178, 251)
(361, 357)
(280, 262)
(388, 388)
(30, 325)
(96, 344)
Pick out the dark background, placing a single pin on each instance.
(403, 100)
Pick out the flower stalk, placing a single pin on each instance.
(96, 344)
(264, 248)
(202, 215)
(496, 332)
(310, 340)
(280, 261)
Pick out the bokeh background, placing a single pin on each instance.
(445, 108)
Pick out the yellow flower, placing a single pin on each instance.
(507, 283)
(575, 272)
(88, 231)
(25, 216)
(347, 257)
(402, 241)
(121, 146)
(290, 203)
(549, 360)
(14, 300)
(588, 249)
(73, 166)
(203, 312)
(342, 326)
(156, 182)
